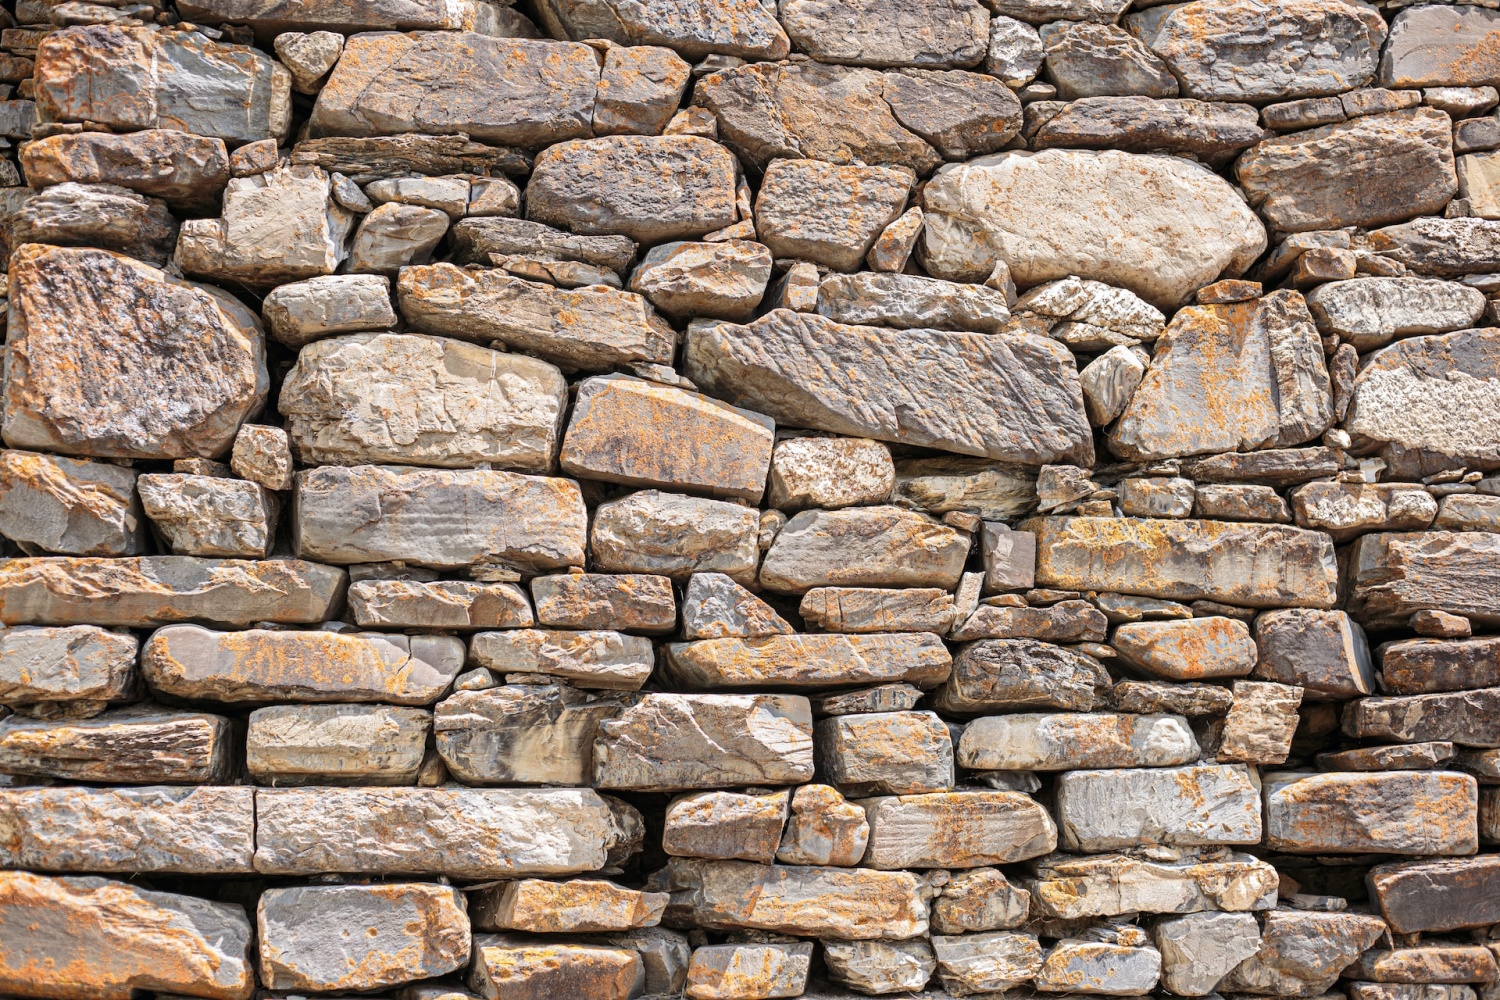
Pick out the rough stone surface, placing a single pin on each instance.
(287, 745)
(1185, 807)
(1408, 812)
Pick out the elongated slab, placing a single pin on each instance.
(460, 832)
(1063, 741)
(963, 829)
(291, 745)
(1393, 575)
(1377, 812)
(144, 745)
(816, 661)
(1180, 806)
(1439, 895)
(1252, 565)
(1010, 397)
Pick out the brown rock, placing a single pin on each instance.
(828, 214)
(1377, 812)
(513, 966)
(864, 546)
(1324, 652)
(962, 829)
(1467, 718)
(457, 604)
(1190, 650)
(1066, 621)
(877, 609)
(808, 661)
(1007, 674)
(1212, 131)
(726, 825)
(696, 28)
(1440, 895)
(290, 745)
(823, 829)
(69, 506)
(139, 745)
(640, 88)
(888, 753)
(629, 602)
(593, 659)
(962, 115)
(577, 906)
(1391, 576)
(186, 171)
(675, 536)
(1424, 666)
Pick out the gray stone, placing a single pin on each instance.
(823, 829)
(1371, 312)
(139, 745)
(1436, 895)
(962, 829)
(1148, 697)
(395, 235)
(74, 671)
(877, 609)
(980, 899)
(1393, 575)
(1097, 967)
(985, 963)
(715, 280)
(1213, 131)
(714, 606)
(996, 491)
(1174, 806)
(475, 241)
(289, 745)
(805, 661)
(907, 301)
(1440, 46)
(262, 455)
(185, 171)
(1109, 382)
(951, 33)
(435, 604)
(1324, 652)
(588, 659)
(1067, 887)
(304, 311)
(1441, 247)
(1348, 510)
(1467, 718)
(640, 87)
(829, 472)
(1007, 674)
(695, 28)
(675, 536)
(878, 967)
(864, 546)
(961, 114)
(1468, 512)
(628, 602)
(527, 734)
(725, 825)
(574, 906)
(1015, 52)
(886, 753)
(309, 56)
(776, 363)
(825, 213)
(1424, 666)
(1102, 60)
(1374, 812)
(1070, 740)
(1066, 621)
(1302, 953)
(70, 506)
(737, 970)
(1200, 949)
(97, 215)
(210, 516)
(1261, 723)
(1156, 496)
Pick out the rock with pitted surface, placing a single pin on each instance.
(1371, 312)
(288, 745)
(986, 963)
(961, 829)
(210, 516)
(631, 602)
(743, 28)
(524, 734)
(1394, 575)
(1099, 967)
(509, 91)
(1440, 46)
(980, 899)
(94, 937)
(777, 365)
(1375, 812)
(1423, 666)
(1364, 172)
(304, 311)
(1002, 674)
(1348, 510)
(260, 665)
(577, 906)
(138, 745)
(439, 518)
(1181, 807)
(165, 395)
(455, 604)
(385, 397)
(1065, 741)
(1008, 207)
(593, 328)
(186, 171)
(1441, 248)
(1213, 131)
(829, 472)
(828, 214)
(70, 506)
(1068, 887)
(1190, 650)
(97, 215)
(412, 930)
(946, 34)
(343, 16)
(1302, 953)
(1102, 60)
(726, 825)
(864, 546)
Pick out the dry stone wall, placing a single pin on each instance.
(597, 499)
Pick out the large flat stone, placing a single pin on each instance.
(1252, 565)
(591, 328)
(877, 609)
(1440, 46)
(1425, 666)
(139, 745)
(188, 661)
(522, 734)
(695, 28)
(1107, 215)
(576, 906)
(438, 518)
(533, 968)
(1376, 812)
(94, 937)
(864, 546)
(1175, 806)
(185, 171)
(668, 742)
(1441, 248)
(638, 433)
(808, 661)
(1439, 895)
(382, 397)
(1211, 130)
(73, 670)
(1109, 884)
(1199, 949)
(193, 831)
(407, 931)
(675, 536)
(1393, 575)
(1467, 718)
(290, 745)
(156, 590)
(595, 658)
(778, 364)
(511, 91)
(185, 362)
(1003, 674)
(1064, 741)
(210, 515)
(963, 829)
(129, 78)
(468, 833)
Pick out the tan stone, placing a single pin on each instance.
(961, 829)
(986, 963)
(828, 214)
(210, 515)
(829, 472)
(186, 171)
(885, 753)
(877, 609)
(1109, 884)
(1376, 812)
(865, 546)
(736, 971)
(69, 506)
(139, 745)
(675, 536)
(1006, 674)
(1191, 650)
(632, 602)
(723, 280)
(1120, 809)
(459, 604)
(808, 661)
(577, 906)
(595, 658)
(289, 745)
(1029, 741)
(1393, 575)
(980, 899)
(514, 967)
(1260, 723)
(727, 825)
(823, 829)
(522, 734)
(696, 28)
(262, 455)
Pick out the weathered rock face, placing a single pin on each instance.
(184, 170)
(1438, 895)
(182, 397)
(1408, 812)
(69, 506)
(1302, 954)
(289, 745)
(1370, 312)
(1393, 575)
(1007, 207)
(1022, 673)
(1108, 884)
(1062, 742)
(695, 28)
(825, 214)
(1212, 131)
(912, 831)
(676, 536)
(1189, 806)
(1433, 46)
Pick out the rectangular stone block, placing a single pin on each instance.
(1468, 718)
(522, 734)
(725, 826)
(864, 547)
(576, 906)
(439, 518)
(809, 661)
(470, 833)
(186, 830)
(77, 669)
(1392, 576)
(456, 604)
(1325, 652)
(962, 829)
(675, 536)
(735, 971)
(1062, 741)
(885, 753)
(346, 17)
(1374, 812)
(289, 745)
(517, 967)
(1424, 666)
(1250, 565)
(593, 659)
(1170, 806)
(876, 609)
(1444, 894)
(630, 602)
(1110, 884)
(69, 505)
(1003, 674)
(139, 745)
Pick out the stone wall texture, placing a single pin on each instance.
(741, 499)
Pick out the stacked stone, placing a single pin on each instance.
(599, 499)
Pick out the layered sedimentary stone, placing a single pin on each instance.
(1190, 650)
(960, 114)
(1393, 575)
(181, 397)
(908, 301)
(1182, 807)
(1007, 207)
(328, 15)
(374, 513)
(525, 734)
(595, 658)
(1097, 966)
(874, 609)
(1259, 726)
(1424, 666)
(157, 590)
(258, 665)
(627, 601)
(980, 899)
(1302, 954)
(408, 931)
(716, 280)
(675, 536)
(519, 965)
(1065, 741)
(775, 364)
(1067, 621)
(533, 93)
(965, 829)
(864, 546)
(163, 829)
(695, 28)
(1405, 812)
(98, 937)
(1347, 510)
(184, 170)
(984, 963)
(1371, 312)
(141, 745)
(725, 826)
(876, 967)
(577, 906)
(288, 745)
(1464, 717)
(371, 398)
(994, 490)
(812, 661)
(467, 833)
(885, 753)
(102, 215)
(595, 327)
(716, 607)
(74, 670)
(1022, 673)
(1251, 565)
(1109, 884)
(662, 742)
(459, 604)
(210, 516)
(1210, 130)
(1437, 895)
(301, 312)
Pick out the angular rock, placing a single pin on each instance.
(1436, 963)
(167, 395)
(57, 929)
(1095, 967)
(304, 311)
(1393, 575)
(877, 967)
(185, 171)
(846, 904)
(1468, 512)
(69, 506)
(139, 745)
(395, 235)
(874, 609)
(130, 78)
(1099, 60)
(1156, 496)
(675, 536)
(156, 590)
(984, 963)
(1009, 207)
(1199, 949)
(1347, 510)
(695, 28)
(1424, 666)
(469, 833)
(885, 753)
(260, 665)
(1324, 652)
(97, 215)
(893, 247)
(210, 516)
(435, 604)
(591, 328)
(1438, 46)
(908, 301)
(716, 607)
(798, 661)
(1438, 895)
(1302, 953)
(1181, 807)
(630, 602)
(589, 659)
(438, 518)
(477, 240)
(1067, 621)
(1466, 718)
(1022, 673)
(1425, 404)
(262, 455)
(614, 185)
(1191, 650)
(510, 91)
(1371, 312)
(1149, 697)
(640, 87)
(823, 829)
(577, 906)
(1398, 757)
(1110, 884)
(1070, 740)
(951, 33)
(964, 829)
(828, 214)
(714, 280)
(512, 965)
(1261, 723)
(725, 825)
(1210, 130)
(867, 546)
(980, 899)
(829, 472)
(289, 745)
(776, 364)
(1251, 565)
(663, 742)
(1375, 812)
(527, 734)
(1241, 503)
(994, 490)
(961, 114)
(729, 971)
(408, 931)
(1109, 381)
(72, 671)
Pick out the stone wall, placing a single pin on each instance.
(604, 498)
